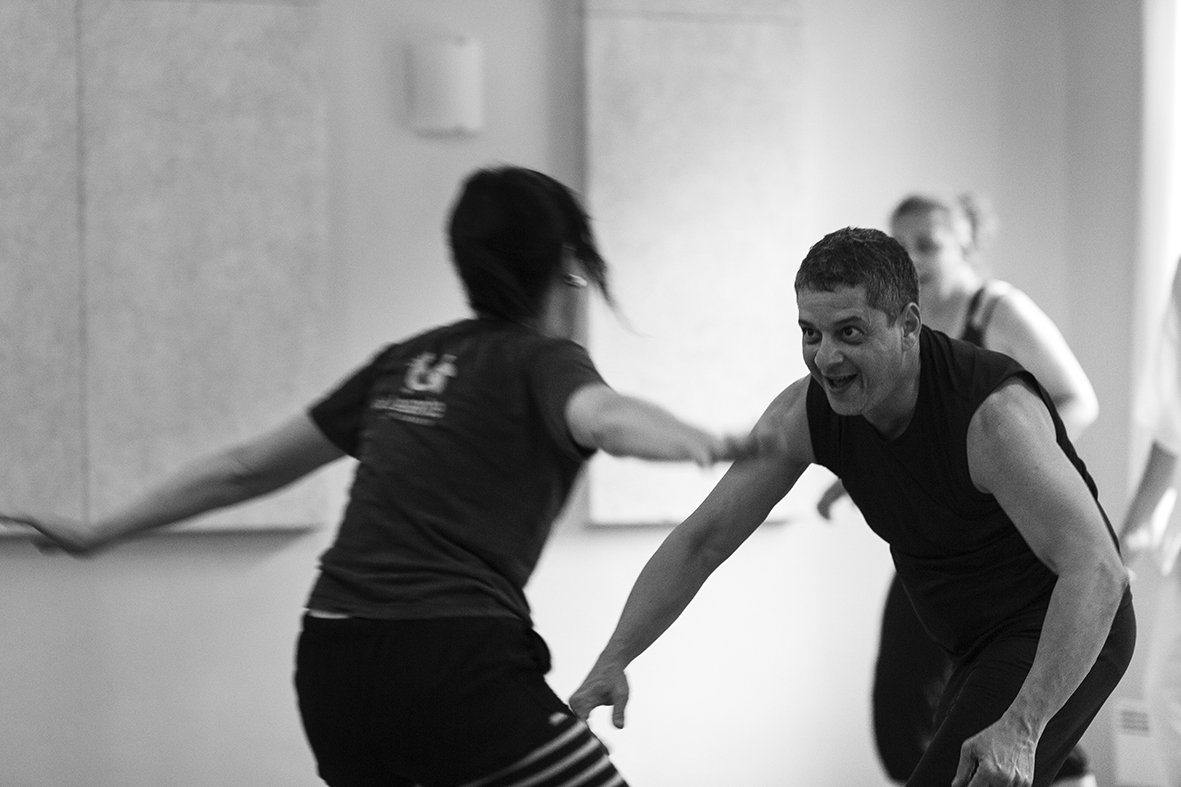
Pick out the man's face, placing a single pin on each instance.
(851, 349)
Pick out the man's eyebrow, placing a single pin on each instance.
(851, 319)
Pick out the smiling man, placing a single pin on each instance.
(957, 458)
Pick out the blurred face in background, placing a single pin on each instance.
(937, 247)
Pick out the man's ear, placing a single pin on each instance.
(912, 322)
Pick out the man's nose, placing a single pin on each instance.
(828, 353)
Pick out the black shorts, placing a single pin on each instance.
(438, 703)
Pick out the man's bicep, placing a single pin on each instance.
(1013, 454)
(783, 426)
(739, 503)
(745, 495)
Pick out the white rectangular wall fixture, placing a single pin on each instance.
(447, 85)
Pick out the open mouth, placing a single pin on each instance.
(838, 383)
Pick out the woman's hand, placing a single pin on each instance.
(58, 532)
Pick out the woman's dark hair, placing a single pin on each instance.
(854, 256)
(508, 230)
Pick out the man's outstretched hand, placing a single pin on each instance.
(605, 685)
(834, 492)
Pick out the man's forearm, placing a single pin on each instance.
(1077, 624)
(665, 586)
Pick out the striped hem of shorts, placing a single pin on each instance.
(574, 757)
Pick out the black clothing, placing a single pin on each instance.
(398, 703)
(979, 313)
(971, 578)
(431, 673)
(909, 677)
(965, 566)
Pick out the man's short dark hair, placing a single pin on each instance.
(856, 256)
(507, 230)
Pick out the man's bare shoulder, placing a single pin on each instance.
(1011, 427)
(1005, 411)
(784, 424)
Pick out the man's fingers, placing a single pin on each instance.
(620, 704)
(966, 769)
(581, 705)
(587, 698)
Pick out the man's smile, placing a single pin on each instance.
(838, 382)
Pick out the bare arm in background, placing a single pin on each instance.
(1020, 329)
(1158, 478)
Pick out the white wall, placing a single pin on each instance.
(169, 661)
(1102, 134)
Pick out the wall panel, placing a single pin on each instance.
(41, 333)
(205, 213)
(693, 133)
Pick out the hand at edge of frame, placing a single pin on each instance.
(55, 533)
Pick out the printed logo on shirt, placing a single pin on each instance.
(422, 377)
(425, 379)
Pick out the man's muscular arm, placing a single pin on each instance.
(1013, 455)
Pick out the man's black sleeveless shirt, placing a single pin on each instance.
(967, 569)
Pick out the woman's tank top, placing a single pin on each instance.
(980, 310)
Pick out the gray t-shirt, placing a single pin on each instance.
(465, 460)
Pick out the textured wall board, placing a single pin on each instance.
(41, 360)
(204, 193)
(693, 182)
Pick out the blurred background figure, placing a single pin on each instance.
(944, 238)
(1150, 529)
